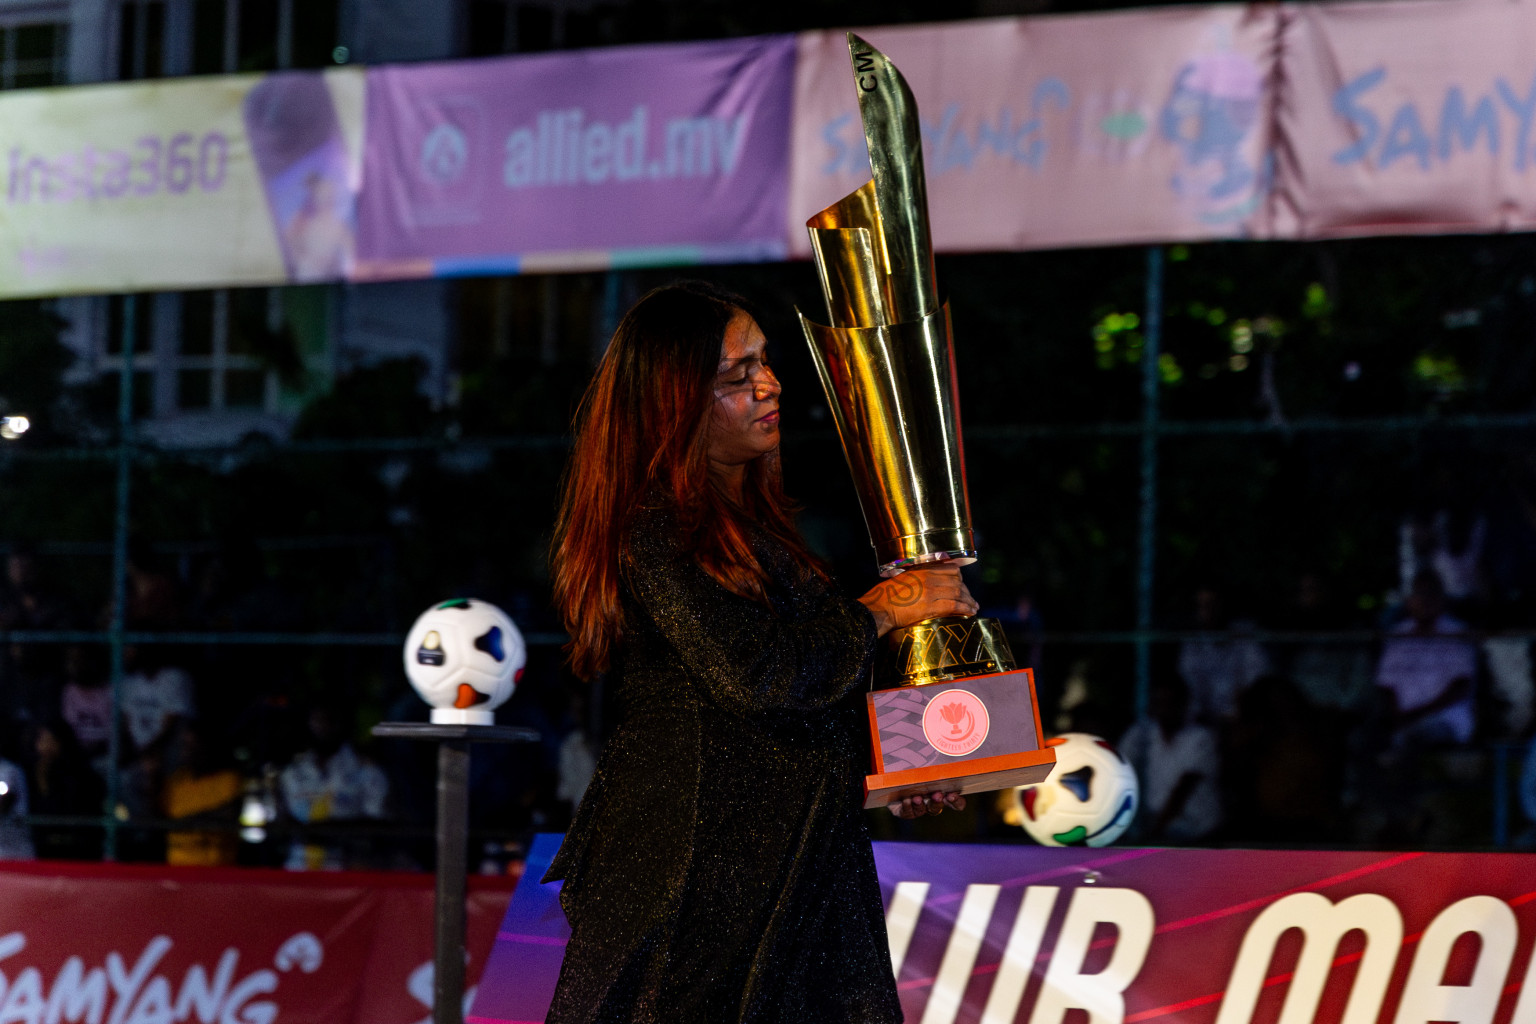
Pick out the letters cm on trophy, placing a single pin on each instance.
(951, 711)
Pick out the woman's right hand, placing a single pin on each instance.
(919, 593)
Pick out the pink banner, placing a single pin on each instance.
(1046, 132)
(1002, 934)
(584, 160)
(101, 944)
(1407, 118)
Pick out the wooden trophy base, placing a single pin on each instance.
(969, 734)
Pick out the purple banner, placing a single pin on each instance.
(614, 157)
(999, 934)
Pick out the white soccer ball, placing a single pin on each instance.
(464, 657)
(1089, 799)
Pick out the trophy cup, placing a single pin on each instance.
(951, 711)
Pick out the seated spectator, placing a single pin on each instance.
(329, 782)
(156, 697)
(1330, 675)
(29, 671)
(1427, 667)
(86, 704)
(154, 598)
(206, 790)
(1451, 543)
(61, 783)
(25, 603)
(15, 837)
(1179, 767)
(1284, 767)
(1218, 669)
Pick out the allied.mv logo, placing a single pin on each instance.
(444, 154)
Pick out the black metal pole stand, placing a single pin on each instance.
(452, 846)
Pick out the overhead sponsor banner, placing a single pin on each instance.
(1404, 118)
(623, 156)
(122, 945)
(998, 934)
(1177, 124)
(188, 183)
(1043, 132)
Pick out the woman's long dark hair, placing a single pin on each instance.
(642, 436)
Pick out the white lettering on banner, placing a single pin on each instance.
(1426, 1000)
(421, 986)
(1019, 955)
(1066, 987)
(125, 984)
(116, 994)
(197, 993)
(960, 955)
(77, 995)
(1102, 993)
(901, 919)
(562, 148)
(1322, 924)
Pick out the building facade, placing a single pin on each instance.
(214, 366)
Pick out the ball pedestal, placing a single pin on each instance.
(453, 742)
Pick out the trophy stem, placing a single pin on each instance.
(943, 648)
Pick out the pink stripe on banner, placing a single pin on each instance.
(534, 940)
(1071, 869)
(1322, 883)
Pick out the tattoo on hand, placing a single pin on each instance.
(905, 591)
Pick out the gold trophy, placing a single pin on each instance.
(952, 712)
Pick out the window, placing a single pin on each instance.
(262, 35)
(141, 39)
(212, 37)
(33, 56)
(143, 324)
(222, 337)
(513, 26)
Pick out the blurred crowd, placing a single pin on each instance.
(1321, 721)
(226, 754)
(1333, 723)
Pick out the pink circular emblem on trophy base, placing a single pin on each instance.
(955, 722)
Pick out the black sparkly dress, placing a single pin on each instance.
(718, 869)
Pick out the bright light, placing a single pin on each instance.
(253, 815)
(12, 427)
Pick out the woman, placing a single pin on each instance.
(718, 868)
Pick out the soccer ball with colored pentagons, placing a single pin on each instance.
(464, 658)
(1089, 799)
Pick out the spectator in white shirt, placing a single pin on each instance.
(329, 782)
(155, 699)
(1179, 766)
(1217, 670)
(1427, 668)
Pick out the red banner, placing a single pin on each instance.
(111, 944)
(1027, 935)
